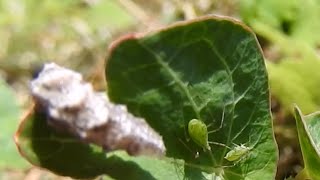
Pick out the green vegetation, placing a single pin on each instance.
(201, 69)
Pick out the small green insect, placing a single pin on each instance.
(199, 133)
(237, 153)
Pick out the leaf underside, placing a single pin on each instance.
(198, 70)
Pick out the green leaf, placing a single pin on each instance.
(204, 69)
(10, 112)
(309, 138)
(64, 155)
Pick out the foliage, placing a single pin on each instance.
(75, 33)
(195, 70)
(174, 75)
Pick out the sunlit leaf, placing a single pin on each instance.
(210, 69)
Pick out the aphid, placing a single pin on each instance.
(199, 134)
(237, 153)
(198, 131)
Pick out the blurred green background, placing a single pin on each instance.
(76, 34)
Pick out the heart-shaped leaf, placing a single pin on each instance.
(309, 138)
(210, 69)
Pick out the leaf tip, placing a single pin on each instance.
(296, 109)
